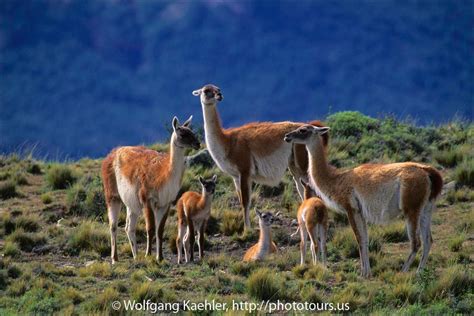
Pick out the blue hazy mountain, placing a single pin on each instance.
(80, 77)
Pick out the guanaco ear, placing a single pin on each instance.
(258, 213)
(188, 121)
(320, 130)
(214, 178)
(175, 123)
(197, 92)
(201, 180)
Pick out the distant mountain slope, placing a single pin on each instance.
(80, 77)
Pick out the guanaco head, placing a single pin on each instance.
(210, 94)
(305, 134)
(209, 185)
(185, 137)
(308, 190)
(265, 218)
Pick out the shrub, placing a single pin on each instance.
(89, 236)
(26, 241)
(350, 124)
(265, 284)
(60, 177)
(7, 190)
(231, 223)
(464, 173)
(46, 198)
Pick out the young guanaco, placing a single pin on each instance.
(265, 244)
(313, 221)
(194, 210)
(374, 193)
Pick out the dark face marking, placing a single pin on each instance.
(187, 138)
(267, 218)
(211, 93)
(209, 185)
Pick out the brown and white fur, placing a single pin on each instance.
(265, 244)
(194, 210)
(254, 152)
(374, 193)
(145, 181)
(313, 221)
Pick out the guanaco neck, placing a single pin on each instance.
(177, 158)
(205, 201)
(323, 174)
(212, 125)
(265, 238)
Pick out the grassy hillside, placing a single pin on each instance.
(54, 240)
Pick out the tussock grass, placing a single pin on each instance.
(11, 249)
(8, 190)
(464, 173)
(86, 198)
(449, 158)
(59, 177)
(265, 284)
(392, 233)
(89, 236)
(26, 241)
(153, 291)
(46, 198)
(231, 223)
(455, 280)
(104, 300)
(344, 240)
(455, 243)
(97, 269)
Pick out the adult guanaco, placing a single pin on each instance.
(374, 193)
(265, 244)
(313, 222)
(145, 181)
(194, 210)
(254, 152)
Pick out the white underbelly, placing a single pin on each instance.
(382, 205)
(270, 169)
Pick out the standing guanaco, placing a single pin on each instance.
(374, 193)
(265, 244)
(313, 221)
(194, 210)
(254, 152)
(145, 181)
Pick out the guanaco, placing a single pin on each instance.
(374, 193)
(265, 244)
(145, 181)
(194, 210)
(254, 152)
(313, 221)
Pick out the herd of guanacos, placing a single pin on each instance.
(147, 182)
